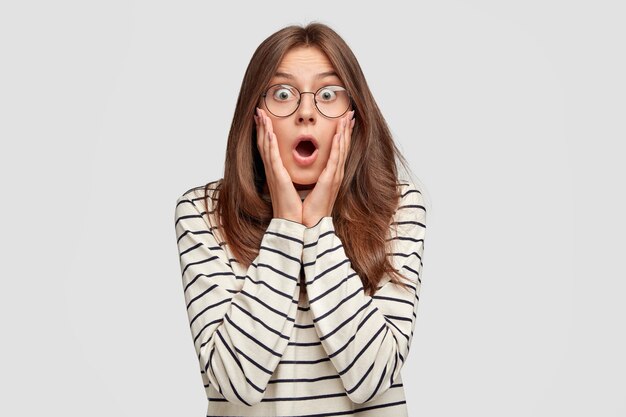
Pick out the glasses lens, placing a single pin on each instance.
(282, 99)
(332, 100)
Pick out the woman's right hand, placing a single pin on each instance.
(286, 201)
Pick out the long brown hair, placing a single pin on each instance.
(369, 194)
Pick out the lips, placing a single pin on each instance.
(305, 150)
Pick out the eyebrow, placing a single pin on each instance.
(320, 75)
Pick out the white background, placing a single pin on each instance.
(510, 112)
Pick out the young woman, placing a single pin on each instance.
(301, 267)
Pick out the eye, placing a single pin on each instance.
(329, 93)
(283, 93)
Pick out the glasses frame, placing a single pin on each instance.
(350, 104)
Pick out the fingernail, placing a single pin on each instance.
(258, 111)
(352, 114)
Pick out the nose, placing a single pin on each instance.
(307, 113)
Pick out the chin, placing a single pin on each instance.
(303, 182)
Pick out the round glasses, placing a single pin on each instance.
(283, 100)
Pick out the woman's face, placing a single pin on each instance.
(307, 69)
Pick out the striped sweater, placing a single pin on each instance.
(266, 348)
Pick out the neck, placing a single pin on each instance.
(303, 186)
(302, 189)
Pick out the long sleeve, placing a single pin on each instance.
(367, 338)
(240, 331)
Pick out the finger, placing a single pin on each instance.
(260, 133)
(347, 139)
(336, 146)
(342, 147)
(277, 162)
(267, 123)
(270, 155)
(348, 135)
(266, 149)
(337, 162)
(348, 124)
(329, 171)
(351, 122)
(261, 139)
(257, 127)
(269, 126)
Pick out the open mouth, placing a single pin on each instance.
(306, 145)
(305, 148)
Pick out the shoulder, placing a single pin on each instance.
(409, 192)
(192, 201)
(197, 194)
(191, 208)
(412, 203)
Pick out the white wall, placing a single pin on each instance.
(511, 114)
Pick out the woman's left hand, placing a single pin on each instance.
(320, 201)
